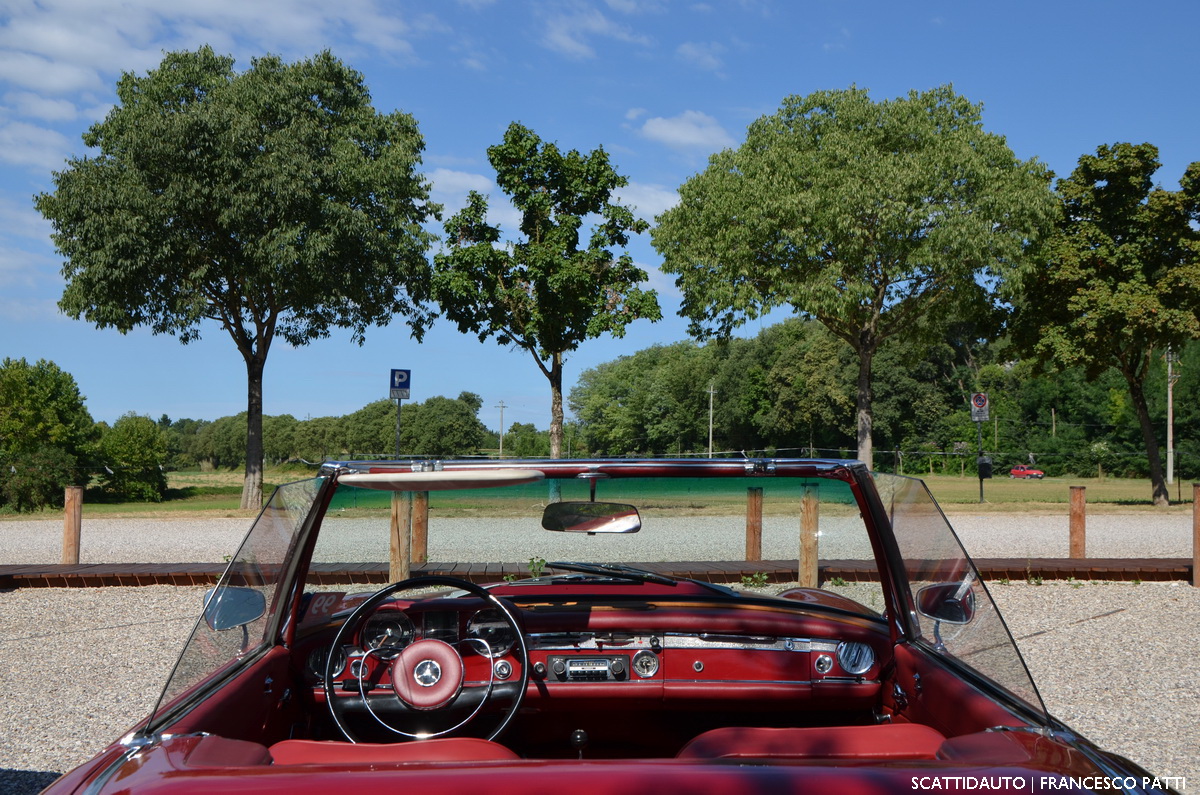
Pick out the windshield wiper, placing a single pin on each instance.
(615, 570)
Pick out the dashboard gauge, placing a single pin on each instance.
(491, 627)
(645, 663)
(317, 658)
(855, 658)
(389, 630)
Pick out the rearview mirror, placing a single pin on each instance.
(591, 517)
(948, 602)
(227, 608)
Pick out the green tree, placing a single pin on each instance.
(546, 294)
(1123, 279)
(47, 437)
(877, 219)
(524, 440)
(275, 202)
(444, 427)
(135, 450)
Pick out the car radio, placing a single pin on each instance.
(590, 668)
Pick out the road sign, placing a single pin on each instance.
(399, 384)
(979, 407)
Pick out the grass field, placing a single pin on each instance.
(219, 494)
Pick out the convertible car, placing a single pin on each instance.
(886, 668)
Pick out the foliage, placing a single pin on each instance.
(35, 479)
(444, 427)
(273, 202)
(546, 294)
(877, 219)
(524, 440)
(134, 451)
(47, 437)
(758, 579)
(1123, 280)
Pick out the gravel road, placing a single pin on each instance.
(210, 540)
(1119, 662)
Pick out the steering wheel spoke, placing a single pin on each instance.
(428, 678)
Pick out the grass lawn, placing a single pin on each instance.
(219, 494)
(1051, 495)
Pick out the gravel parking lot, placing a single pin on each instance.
(1117, 661)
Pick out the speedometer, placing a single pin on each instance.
(489, 626)
(388, 630)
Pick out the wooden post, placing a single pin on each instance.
(809, 513)
(72, 524)
(1079, 521)
(400, 559)
(754, 503)
(1196, 535)
(420, 527)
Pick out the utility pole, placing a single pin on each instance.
(1172, 377)
(501, 406)
(712, 390)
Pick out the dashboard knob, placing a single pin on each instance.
(559, 667)
(617, 666)
(539, 670)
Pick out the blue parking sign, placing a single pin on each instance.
(399, 384)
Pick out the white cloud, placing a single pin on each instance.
(568, 33)
(26, 103)
(41, 74)
(690, 129)
(32, 146)
(635, 113)
(24, 311)
(660, 282)
(23, 220)
(648, 200)
(450, 188)
(705, 56)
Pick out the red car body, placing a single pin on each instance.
(600, 677)
(1023, 471)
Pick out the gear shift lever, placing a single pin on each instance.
(579, 741)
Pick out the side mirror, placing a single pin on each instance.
(591, 517)
(949, 602)
(227, 608)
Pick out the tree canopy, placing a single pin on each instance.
(548, 292)
(273, 202)
(875, 218)
(1123, 277)
(135, 452)
(47, 437)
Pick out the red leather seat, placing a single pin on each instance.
(883, 741)
(446, 749)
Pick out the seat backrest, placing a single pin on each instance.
(445, 749)
(882, 741)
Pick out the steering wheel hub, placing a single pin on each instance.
(427, 675)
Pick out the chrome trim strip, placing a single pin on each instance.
(99, 782)
(680, 641)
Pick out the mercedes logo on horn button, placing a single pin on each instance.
(427, 673)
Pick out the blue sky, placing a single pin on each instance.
(660, 84)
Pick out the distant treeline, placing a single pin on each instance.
(787, 391)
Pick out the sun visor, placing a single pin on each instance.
(441, 480)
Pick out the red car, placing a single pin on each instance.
(887, 670)
(1022, 471)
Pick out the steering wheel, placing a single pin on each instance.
(427, 675)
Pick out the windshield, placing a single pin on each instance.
(933, 556)
(683, 519)
(238, 610)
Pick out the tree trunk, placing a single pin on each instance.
(866, 353)
(556, 406)
(1158, 481)
(252, 488)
